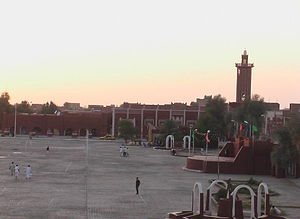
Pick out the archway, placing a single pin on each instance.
(82, 132)
(266, 199)
(252, 199)
(187, 139)
(68, 132)
(170, 141)
(197, 194)
(23, 131)
(208, 192)
(56, 132)
(37, 130)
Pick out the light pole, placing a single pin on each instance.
(208, 131)
(15, 126)
(235, 127)
(190, 140)
(195, 130)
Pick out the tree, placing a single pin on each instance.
(126, 129)
(252, 111)
(215, 118)
(24, 107)
(171, 127)
(285, 153)
(4, 103)
(49, 108)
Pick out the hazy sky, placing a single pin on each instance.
(108, 52)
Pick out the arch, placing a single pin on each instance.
(82, 132)
(23, 130)
(37, 130)
(252, 199)
(266, 198)
(94, 132)
(199, 195)
(56, 132)
(208, 203)
(170, 138)
(188, 139)
(68, 132)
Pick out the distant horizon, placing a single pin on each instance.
(157, 52)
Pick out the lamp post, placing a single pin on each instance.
(15, 126)
(195, 130)
(190, 140)
(208, 131)
(235, 124)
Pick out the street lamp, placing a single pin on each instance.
(208, 131)
(235, 124)
(195, 130)
(191, 126)
(15, 126)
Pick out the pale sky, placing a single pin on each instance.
(108, 52)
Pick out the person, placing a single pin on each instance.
(173, 152)
(274, 210)
(17, 171)
(137, 185)
(47, 148)
(28, 172)
(12, 168)
(121, 150)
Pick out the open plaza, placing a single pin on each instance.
(77, 178)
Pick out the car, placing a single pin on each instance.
(107, 137)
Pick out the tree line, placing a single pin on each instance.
(24, 106)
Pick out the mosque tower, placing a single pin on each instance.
(243, 82)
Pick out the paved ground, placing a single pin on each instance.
(66, 184)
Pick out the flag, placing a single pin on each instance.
(206, 138)
(241, 127)
(254, 128)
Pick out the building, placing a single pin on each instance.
(243, 83)
(72, 106)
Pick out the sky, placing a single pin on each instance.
(156, 52)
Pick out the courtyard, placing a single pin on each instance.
(76, 179)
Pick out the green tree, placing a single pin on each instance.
(171, 127)
(126, 130)
(5, 106)
(286, 152)
(4, 103)
(215, 118)
(252, 111)
(24, 107)
(49, 108)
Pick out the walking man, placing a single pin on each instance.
(137, 185)
(12, 168)
(28, 172)
(17, 171)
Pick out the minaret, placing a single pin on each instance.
(243, 82)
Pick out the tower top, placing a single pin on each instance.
(245, 52)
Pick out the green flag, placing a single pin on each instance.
(254, 128)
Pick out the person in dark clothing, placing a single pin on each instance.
(47, 148)
(137, 185)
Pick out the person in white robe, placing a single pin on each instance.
(17, 171)
(28, 172)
